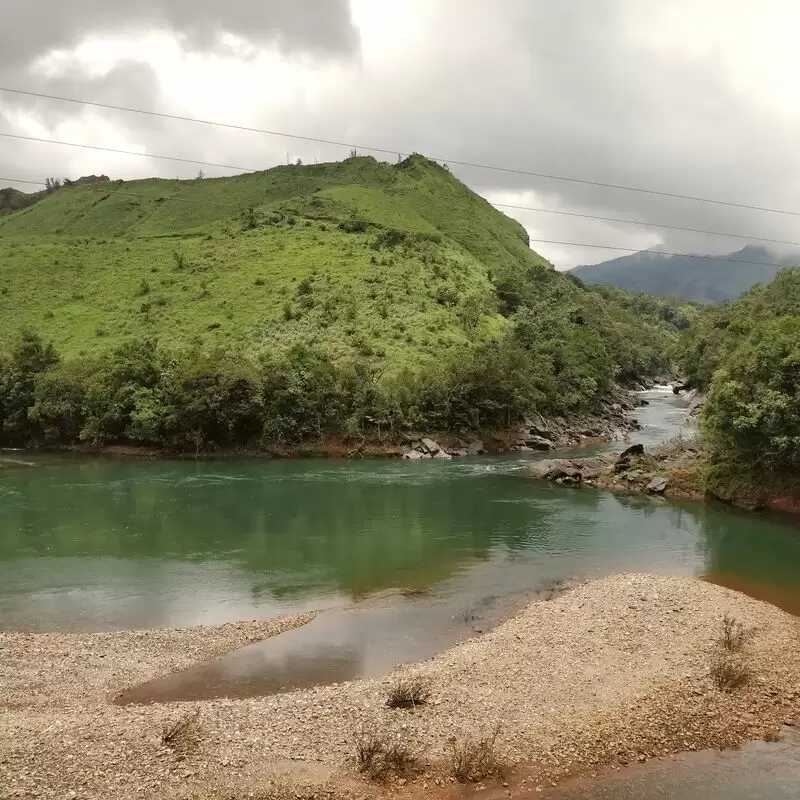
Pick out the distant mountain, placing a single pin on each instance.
(694, 278)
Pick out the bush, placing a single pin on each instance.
(408, 692)
(473, 760)
(183, 735)
(734, 635)
(391, 237)
(729, 672)
(354, 225)
(379, 755)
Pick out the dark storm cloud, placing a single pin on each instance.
(34, 27)
(584, 89)
(602, 91)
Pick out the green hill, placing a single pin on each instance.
(692, 278)
(381, 295)
(188, 259)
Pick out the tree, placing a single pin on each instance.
(752, 417)
(30, 356)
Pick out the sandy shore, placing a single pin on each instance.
(614, 671)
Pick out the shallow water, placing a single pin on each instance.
(102, 544)
(759, 771)
(432, 552)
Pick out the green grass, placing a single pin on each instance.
(89, 268)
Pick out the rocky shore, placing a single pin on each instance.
(535, 434)
(614, 671)
(673, 469)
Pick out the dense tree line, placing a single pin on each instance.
(746, 355)
(564, 350)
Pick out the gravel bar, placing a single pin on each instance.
(614, 671)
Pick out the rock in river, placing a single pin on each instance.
(657, 485)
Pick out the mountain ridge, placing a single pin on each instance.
(693, 277)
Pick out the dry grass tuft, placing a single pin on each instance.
(729, 672)
(409, 692)
(473, 760)
(734, 635)
(183, 735)
(378, 756)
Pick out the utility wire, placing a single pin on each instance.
(533, 241)
(196, 162)
(471, 164)
(124, 152)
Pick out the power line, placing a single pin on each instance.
(393, 151)
(647, 224)
(666, 253)
(196, 162)
(533, 241)
(124, 152)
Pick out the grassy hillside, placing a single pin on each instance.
(691, 278)
(295, 303)
(189, 259)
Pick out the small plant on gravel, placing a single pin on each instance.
(401, 757)
(473, 760)
(370, 748)
(734, 634)
(409, 692)
(729, 672)
(182, 735)
(378, 756)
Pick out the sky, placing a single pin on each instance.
(694, 97)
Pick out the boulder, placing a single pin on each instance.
(536, 425)
(657, 485)
(624, 458)
(442, 455)
(430, 446)
(538, 443)
(554, 468)
(415, 455)
(476, 447)
(458, 452)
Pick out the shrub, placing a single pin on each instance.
(473, 760)
(408, 692)
(378, 756)
(729, 672)
(369, 753)
(183, 735)
(734, 635)
(354, 225)
(391, 237)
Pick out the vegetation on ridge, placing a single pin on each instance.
(345, 299)
(746, 355)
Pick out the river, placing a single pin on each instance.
(408, 557)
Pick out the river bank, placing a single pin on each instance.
(676, 470)
(612, 672)
(538, 433)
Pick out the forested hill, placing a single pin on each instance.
(692, 278)
(746, 355)
(295, 303)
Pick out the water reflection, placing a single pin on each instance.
(759, 771)
(104, 544)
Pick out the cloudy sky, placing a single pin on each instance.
(697, 97)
